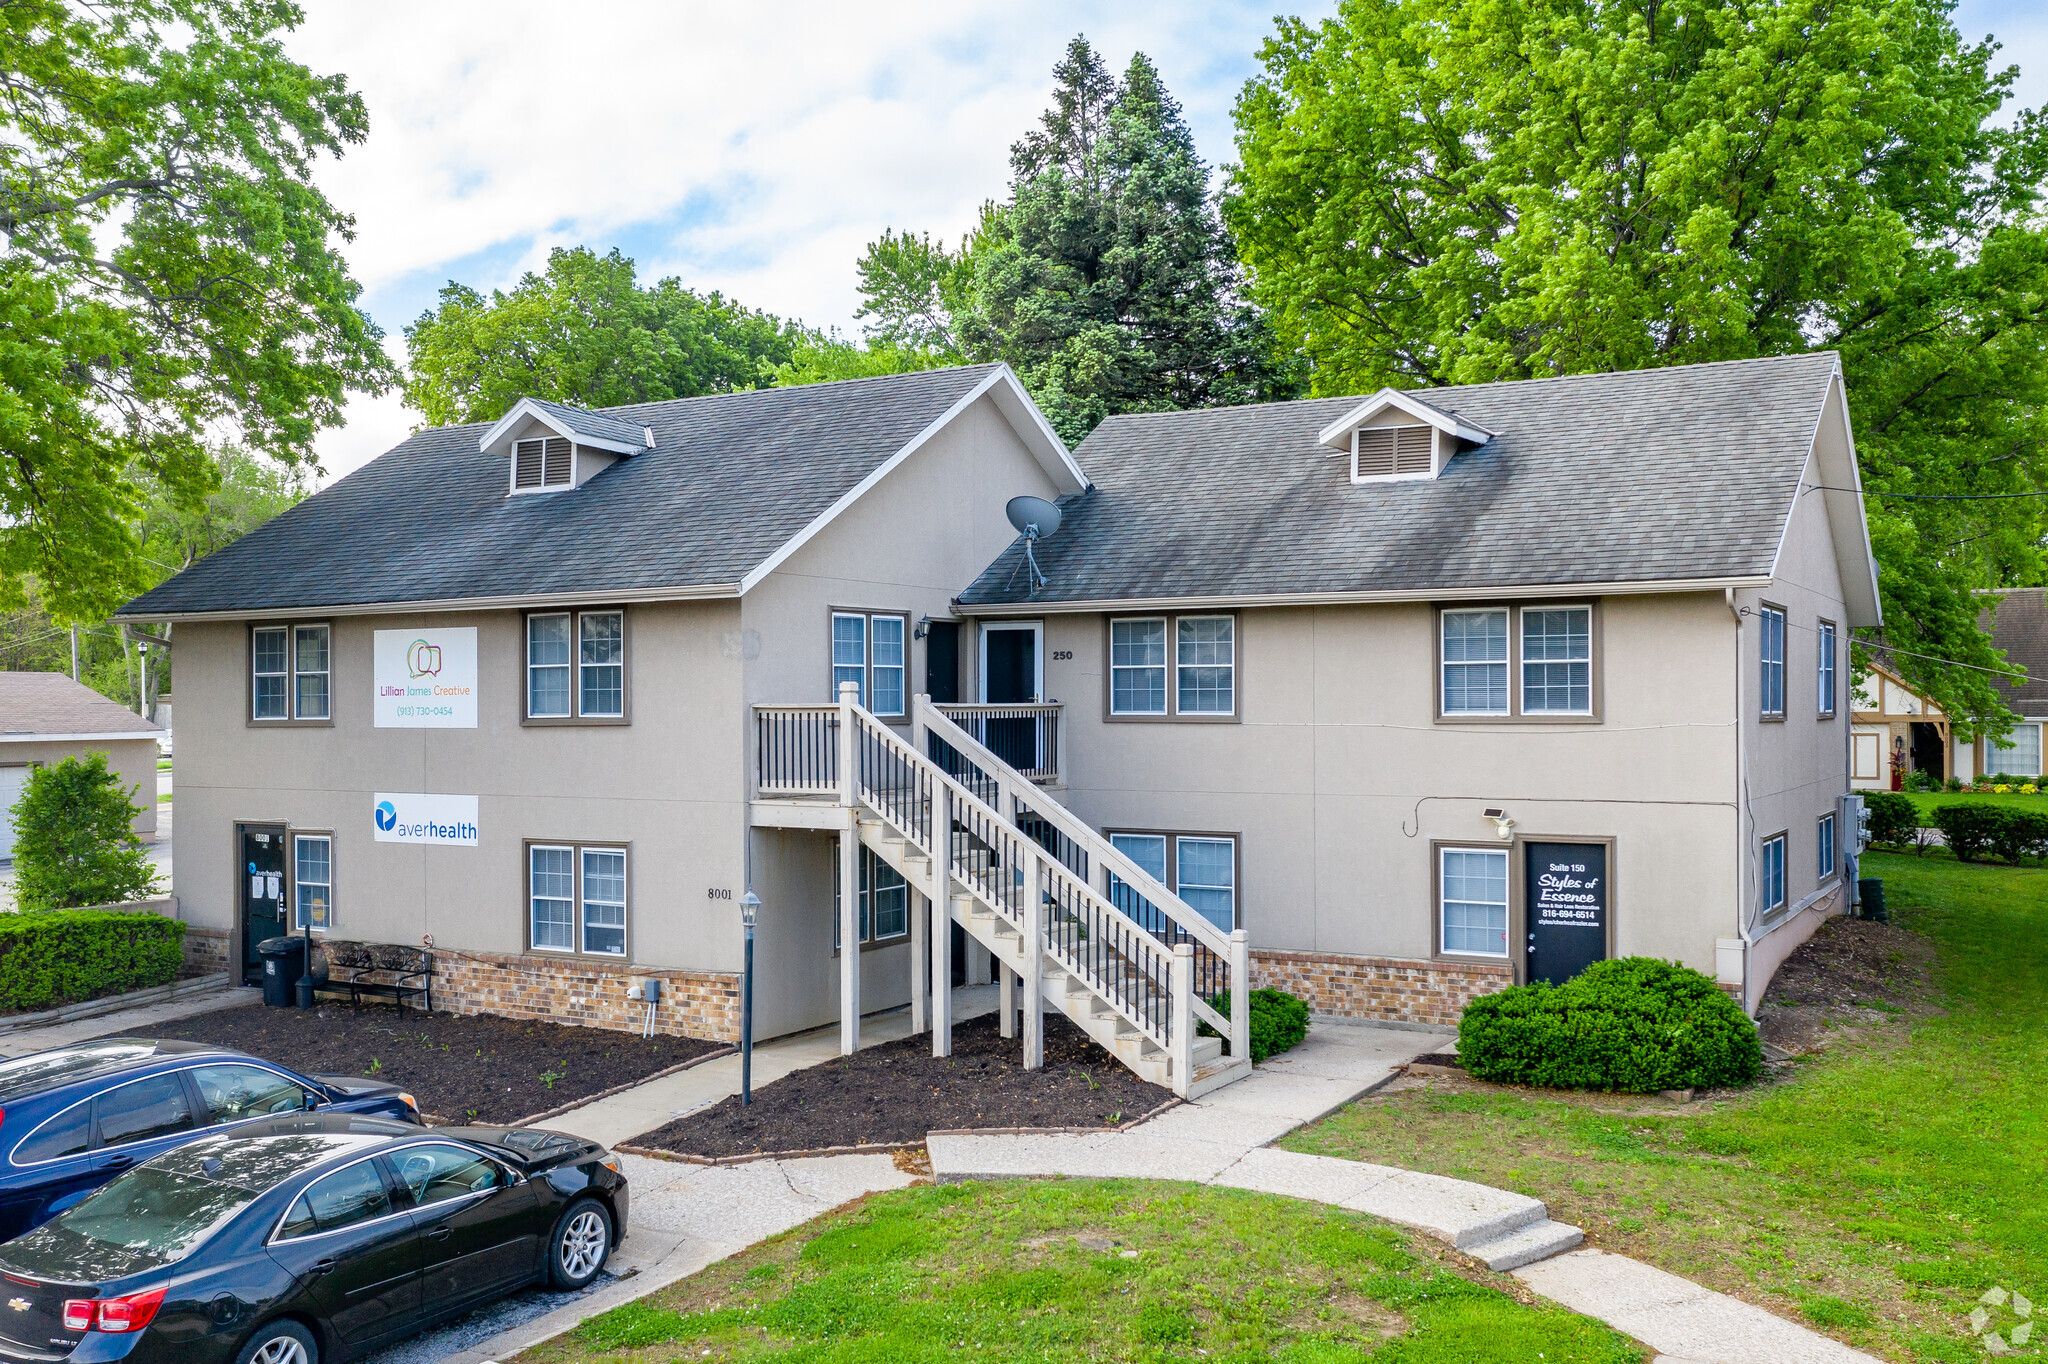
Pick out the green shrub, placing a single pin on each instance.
(1955, 784)
(74, 843)
(1279, 1021)
(1975, 831)
(1634, 1024)
(69, 955)
(1893, 818)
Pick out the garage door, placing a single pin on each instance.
(12, 779)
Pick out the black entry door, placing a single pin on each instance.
(942, 662)
(1012, 679)
(1566, 891)
(261, 876)
(1928, 755)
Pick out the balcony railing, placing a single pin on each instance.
(1027, 737)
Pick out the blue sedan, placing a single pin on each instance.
(73, 1118)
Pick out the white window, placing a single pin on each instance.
(1205, 665)
(1149, 851)
(2018, 754)
(1201, 868)
(1824, 865)
(1473, 901)
(313, 880)
(290, 673)
(1475, 662)
(602, 651)
(1137, 667)
(542, 463)
(576, 665)
(576, 898)
(871, 650)
(270, 661)
(1771, 688)
(547, 667)
(1772, 874)
(1557, 660)
(310, 672)
(884, 907)
(1824, 668)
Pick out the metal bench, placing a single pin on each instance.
(383, 970)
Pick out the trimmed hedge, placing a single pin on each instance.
(1976, 830)
(1894, 819)
(1633, 1023)
(68, 955)
(1279, 1021)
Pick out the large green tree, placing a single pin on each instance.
(1453, 191)
(1106, 278)
(584, 331)
(169, 272)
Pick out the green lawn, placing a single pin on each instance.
(1925, 802)
(1088, 1270)
(1877, 1193)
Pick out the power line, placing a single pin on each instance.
(1927, 497)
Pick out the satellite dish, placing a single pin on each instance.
(1035, 518)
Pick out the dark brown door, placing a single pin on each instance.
(261, 876)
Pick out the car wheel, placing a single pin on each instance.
(280, 1342)
(578, 1249)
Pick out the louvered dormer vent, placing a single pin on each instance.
(1392, 452)
(546, 463)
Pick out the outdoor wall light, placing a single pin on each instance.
(1503, 824)
(922, 628)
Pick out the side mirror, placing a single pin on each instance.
(312, 1101)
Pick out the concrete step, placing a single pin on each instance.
(1208, 1051)
(1527, 1245)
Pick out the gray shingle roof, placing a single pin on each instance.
(2018, 624)
(51, 703)
(597, 425)
(731, 478)
(1686, 472)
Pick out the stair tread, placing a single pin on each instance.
(1526, 1245)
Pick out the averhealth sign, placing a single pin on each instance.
(1567, 908)
(426, 679)
(448, 821)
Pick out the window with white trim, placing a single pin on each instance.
(1472, 901)
(1475, 662)
(1824, 668)
(1771, 874)
(1824, 863)
(576, 665)
(1173, 665)
(1557, 660)
(1201, 869)
(1205, 665)
(1771, 659)
(884, 909)
(871, 649)
(1137, 666)
(290, 673)
(576, 897)
(313, 880)
(2018, 754)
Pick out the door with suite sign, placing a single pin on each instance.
(262, 893)
(1566, 894)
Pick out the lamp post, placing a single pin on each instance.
(750, 911)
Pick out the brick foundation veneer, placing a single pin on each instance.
(1381, 989)
(703, 1004)
(206, 950)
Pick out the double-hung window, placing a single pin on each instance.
(1515, 662)
(1173, 665)
(576, 898)
(1475, 662)
(1824, 669)
(1201, 869)
(290, 673)
(884, 908)
(1771, 875)
(1771, 654)
(1824, 864)
(1557, 660)
(576, 665)
(871, 649)
(1472, 901)
(313, 880)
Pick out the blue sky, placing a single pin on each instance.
(748, 148)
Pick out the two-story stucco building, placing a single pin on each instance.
(1389, 701)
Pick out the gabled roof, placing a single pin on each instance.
(1640, 481)
(598, 429)
(43, 706)
(2017, 620)
(1337, 435)
(734, 484)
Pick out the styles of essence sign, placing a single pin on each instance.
(426, 679)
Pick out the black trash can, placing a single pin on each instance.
(1870, 897)
(284, 961)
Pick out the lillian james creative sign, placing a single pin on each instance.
(426, 679)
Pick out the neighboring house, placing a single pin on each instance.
(2018, 625)
(1323, 694)
(46, 718)
(1895, 730)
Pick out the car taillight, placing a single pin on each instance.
(130, 1313)
(78, 1314)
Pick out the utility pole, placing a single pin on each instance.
(74, 653)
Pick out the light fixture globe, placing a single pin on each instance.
(750, 909)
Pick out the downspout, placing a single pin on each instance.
(1742, 858)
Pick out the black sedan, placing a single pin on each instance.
(309, 1238)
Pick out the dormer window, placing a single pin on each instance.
(546, 463)
(1393, 452)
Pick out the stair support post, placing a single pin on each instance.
(1240, 996)
(1034, 960)
(942, 922)
(920, 976)
(849, 936)
(1006, 1001)
(1183, 1003)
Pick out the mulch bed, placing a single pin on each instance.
(1851, 976)
(899, 1091)
(476, 1068)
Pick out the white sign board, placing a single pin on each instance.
(426, 679)
(447, 821)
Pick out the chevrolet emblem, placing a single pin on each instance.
(20, 1304)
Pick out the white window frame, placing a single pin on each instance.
(1770, 667)
(1181, 885)
(1165, 666)
(544, 486)
(1519, 648)
(1443, 901)
(1037, 629)
(1229, 668)
(1825, 672)
(1827, 857)
(584, 852)
(583, 711)
(291, 672)
(1771, 899)
(1506, 662)
(1170, 849)
(299, 913)
(870, 865)
(577, 920)
(325, 673)
(867, 667)
(567, 666)
(573, 669)
(1996, 746)
(283, 674)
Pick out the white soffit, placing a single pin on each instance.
(498, 440)
(1337, 435)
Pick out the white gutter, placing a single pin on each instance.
(705, 592)
(1427, 594)
(80, 738)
